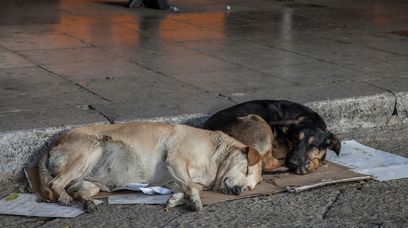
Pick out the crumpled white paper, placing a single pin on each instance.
(151, 195)
(137, 198)
(383, 166)
(26, 204)
(146, 190)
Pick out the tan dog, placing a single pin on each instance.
(254, 131)
(85, 160)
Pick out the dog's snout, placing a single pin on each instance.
(308, 165)
(293, 165)
(236, 190)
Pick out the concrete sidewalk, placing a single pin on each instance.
(73, 62)
(83, 61)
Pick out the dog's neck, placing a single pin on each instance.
(224, 145)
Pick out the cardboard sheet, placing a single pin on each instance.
(327, 174)
(362, 159)
(272, 184)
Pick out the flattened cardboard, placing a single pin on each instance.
(263, 188)
(327, 174)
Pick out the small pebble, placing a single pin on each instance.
(228, 7)
(174, 8)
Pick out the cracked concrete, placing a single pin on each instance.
(331, 204)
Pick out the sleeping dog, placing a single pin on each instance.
(85, 160)
(254, 131)
(301, 136)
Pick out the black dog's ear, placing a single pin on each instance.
(333, 142)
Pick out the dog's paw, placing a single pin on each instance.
(175, 200)
(170, 204)
(309, 166)
(89, 206)
(195, 205)
(65, 200)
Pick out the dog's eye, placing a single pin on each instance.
(313, 145)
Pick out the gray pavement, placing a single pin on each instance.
(59, 57)
(71, 62)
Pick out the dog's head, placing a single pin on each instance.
(307, 145)
(240, 171)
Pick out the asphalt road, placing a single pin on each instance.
(367, 204)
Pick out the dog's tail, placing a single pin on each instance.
(45, 177)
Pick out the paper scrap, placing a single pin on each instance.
(381, 165)
(26, 204)
(137, 198)
(146, 190)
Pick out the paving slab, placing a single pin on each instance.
(22, 119)
(9, 60)
(238, 81)
(49, 40)
(318, 92)
(30, 88)
(343, 54)
(67, 55)
(33, 97)
(396, 83)
(248, 53)
(386, 42)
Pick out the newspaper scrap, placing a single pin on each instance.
(146, 190)
(26, 204)
(137, 198)
(383, 166)
(151, 195)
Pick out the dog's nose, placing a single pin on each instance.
(236, 190)
(293, 166)
(308, 165)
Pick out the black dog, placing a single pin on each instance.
(300, 133)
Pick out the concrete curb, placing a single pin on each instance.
(19, 149)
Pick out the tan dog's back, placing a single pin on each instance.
(254, 131)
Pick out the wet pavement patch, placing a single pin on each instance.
(302, 5)
(401, 33)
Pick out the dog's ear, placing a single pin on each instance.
(333, 142)
(253, 155)
(285, 125)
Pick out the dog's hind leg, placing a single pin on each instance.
(85, 190)
(72, 162)
(57, 185)
(194, 201)
(180, 175)
(175, 200)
